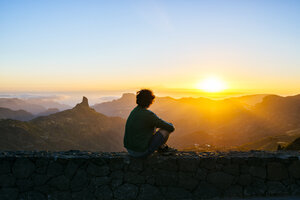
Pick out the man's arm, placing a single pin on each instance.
(159, 123)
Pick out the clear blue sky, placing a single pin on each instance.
(95, 45)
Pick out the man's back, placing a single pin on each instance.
(140, 127)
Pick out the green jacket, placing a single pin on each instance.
(140, 127)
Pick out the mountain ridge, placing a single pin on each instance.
(229, 122)
(31, 105)
(6, 113)
(79, 128)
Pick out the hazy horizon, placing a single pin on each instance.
(72, 98)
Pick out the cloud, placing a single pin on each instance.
(36, 96)
(49, 98)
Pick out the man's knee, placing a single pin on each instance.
(164, 132)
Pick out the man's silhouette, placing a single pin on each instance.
(141, 138)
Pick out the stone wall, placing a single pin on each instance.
(186, 175)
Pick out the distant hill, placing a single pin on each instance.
(228, 122)
(119, 107)
(20, 104)
(295, 144)
(200, 123)
(79, 128)
(6, 113)
(49, 111)
(284, 112)
(32, 105)
(271, 143)
(250, 100)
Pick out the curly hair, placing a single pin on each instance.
(144, 98)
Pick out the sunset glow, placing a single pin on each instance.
(211, 84)
(169, 46)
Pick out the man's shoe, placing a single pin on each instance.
(166, 149)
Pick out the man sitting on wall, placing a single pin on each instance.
(141, 135)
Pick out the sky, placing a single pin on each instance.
(253, 46)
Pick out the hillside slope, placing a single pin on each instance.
(79, 128)
(228, 122)
(6, 113)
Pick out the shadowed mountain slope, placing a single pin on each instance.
(49, 111)
(295, 145)
(6, 113)
(271, 143)
(79, 128)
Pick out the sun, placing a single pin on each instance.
(211, 84)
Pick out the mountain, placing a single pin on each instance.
(222, 123)
(20, 104)
(284, 112)
(262, 126)
(32, 105)
(250, 100)
(200, 123)
(80, 128)
(6, 113)
(271, 143)
(119, 107)
(49, 111)
(295, 145)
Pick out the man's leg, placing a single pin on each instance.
(158, 139)
(165, 133)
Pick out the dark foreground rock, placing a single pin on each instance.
(184, 175)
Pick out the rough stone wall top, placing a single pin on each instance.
(178, 155)
(185, 175)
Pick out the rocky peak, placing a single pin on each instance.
(83, 104)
